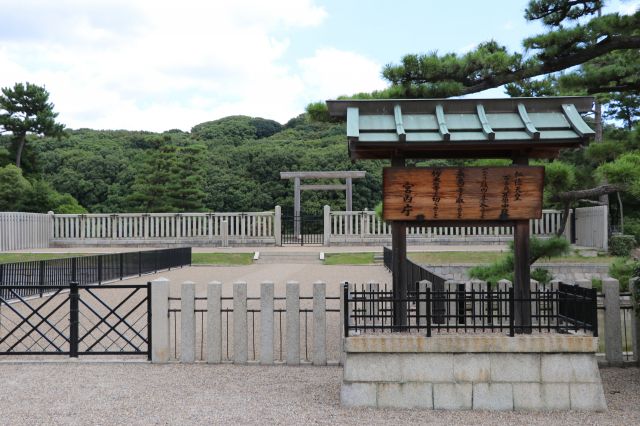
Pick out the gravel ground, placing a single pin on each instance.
(136, 393)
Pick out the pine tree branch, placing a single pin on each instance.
(587, 193)
(605, 46)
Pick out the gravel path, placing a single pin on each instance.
(95, 393)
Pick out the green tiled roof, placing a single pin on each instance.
(463, 128)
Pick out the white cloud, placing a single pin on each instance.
(332, 72)
(628, 7)
(156, 65)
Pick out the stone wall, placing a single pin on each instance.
(457, 372)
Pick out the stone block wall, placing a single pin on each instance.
(472, 372)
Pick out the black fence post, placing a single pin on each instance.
(73, 319)
(99, 269)
(428, 313)
(139, 263)
(594, 310)
(511, 311)
(74, 269)
(121, 257)
(41, 267)
(149, 347)
(345, 292)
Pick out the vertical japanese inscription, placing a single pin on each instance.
(504, 207)
(517, 194)
(435, 173)
(459, 191)
(407, 198)
(484, 188)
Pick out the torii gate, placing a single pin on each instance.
(297, 188)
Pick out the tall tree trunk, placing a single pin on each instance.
(621, 213)
(565, 219)
(21, 140)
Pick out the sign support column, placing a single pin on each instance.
(399, 250)
(522, 273)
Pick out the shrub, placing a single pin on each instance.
(541, 275)
(632, 227)
(621, 245)
(622, 270)
(597, 284)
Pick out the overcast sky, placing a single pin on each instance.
(159, 65)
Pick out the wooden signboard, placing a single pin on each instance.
(463, 193)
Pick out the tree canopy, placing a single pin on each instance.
(25, 109)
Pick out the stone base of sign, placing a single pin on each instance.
(453, 372)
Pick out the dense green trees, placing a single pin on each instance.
(231, 164)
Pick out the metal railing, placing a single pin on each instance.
(34, 277)
(471, 308)
(415, 272)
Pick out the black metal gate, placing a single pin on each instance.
(76, 320)
(303, 230)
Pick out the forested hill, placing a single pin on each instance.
(231, 164)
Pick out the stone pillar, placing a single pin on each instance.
(634, 287)
(327, 225)
(293, 323)
(214, 322)
(240, 344)
(225, 233)
(319, 353)
(266, 323)
(188, 322)
(160, 349)
(277, 225)
(612, 328)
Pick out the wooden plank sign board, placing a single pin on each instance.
(462, 193)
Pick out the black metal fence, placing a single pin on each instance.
(77, 320)
(303, 230)
(31, 278)
(471, 308)
(415, 272)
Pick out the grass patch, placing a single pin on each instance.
(478, 257)
(348, 258)
(222, 259)
(25, 257)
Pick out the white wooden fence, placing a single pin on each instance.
(350, 227)
(31, 230)
(137, 227)
(20, 231)
(592, 227)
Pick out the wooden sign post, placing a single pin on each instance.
(462, 196)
